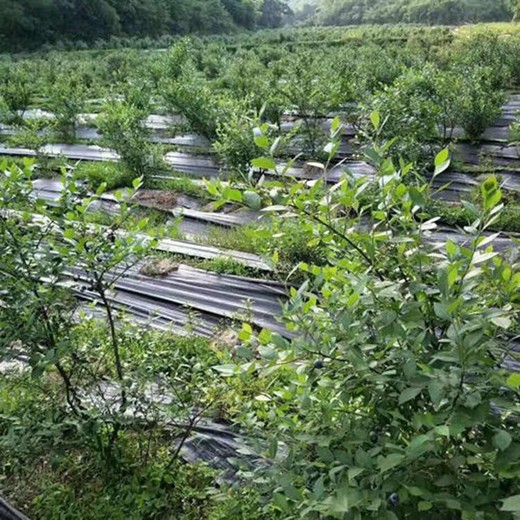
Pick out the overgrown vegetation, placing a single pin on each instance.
(389, 389)
(402, 403)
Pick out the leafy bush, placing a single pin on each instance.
(401, 402)
(66, 100)
(236, 139)
(192, 96)
(123, 126)
(410, 113)
(479, 101)
(16, 91)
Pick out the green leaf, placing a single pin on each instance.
(354, 472)
(212, 189)
(268, 353)
(424, 506)
(415, 491)
(442, 162)
(442, 157)
(391, 461)
(262, 141)
(504, 322)
(451, 248)
(490, 192)
(234, 195)
(442, 430)
(344, 500)
(264, 163)
(436, 392)
(489, 185)
(502, 440)
(513, 381)
(375, 118)
(408, 394)
(338, 503)
(101, 189)
(280, 501)
(69, 234)
(442, 310)
(252, 200)
(511, 504)
(226, 370)
(444, 481)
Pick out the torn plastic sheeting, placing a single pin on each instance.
(153, 121)
(501, 243)
(50, 190)
(222, 448)
(208, 166)
(208, 441)
(466, 182)
(220, 219)
(245, 309)
(191, 227)
(8, 512)
(495, 134)
(501, 156)
(160, 315)
(510, 180)
(102, 204)
(225, 291)
(214, 443)
(190, 284)
(143, 197)
(218, 295)
(75, 152)
(357, 169)
(182, 247)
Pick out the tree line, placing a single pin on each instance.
(431, 12)
(28, 24)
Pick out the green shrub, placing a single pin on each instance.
(400, 404)
(124, 130)
(410, 113)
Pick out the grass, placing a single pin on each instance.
(68, 483)
(97, 173)
(240, 238)
(182, 184)
(231, 267)
(457, 215)
(159, 223)
(51, 467)
(45, 169)
(220, 265)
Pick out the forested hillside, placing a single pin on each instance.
(450, 12)
(30, 23)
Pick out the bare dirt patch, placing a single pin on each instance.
(157, 199)
(159, 267)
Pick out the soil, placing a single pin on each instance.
(159, 267)
(158, 199)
